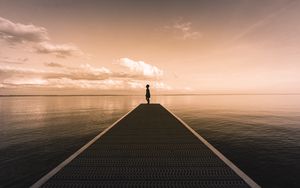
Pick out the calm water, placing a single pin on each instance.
(259, 133)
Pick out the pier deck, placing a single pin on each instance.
(149, 147)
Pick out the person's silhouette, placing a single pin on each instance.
(148, 94)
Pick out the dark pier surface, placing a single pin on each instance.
(149, 147)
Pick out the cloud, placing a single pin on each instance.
(51, 64)
(7, 60)
(84, 72)
(140, 67)
(106, 84)
(37, 37)
(161, 85)
(184, 30)
(24, 82)
(59, 50)
(263, 21)
(84, 76)
(17, 32)
(89, 68)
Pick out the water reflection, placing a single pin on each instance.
(259, 133)
(38, 132)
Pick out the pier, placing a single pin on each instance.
(148, 147)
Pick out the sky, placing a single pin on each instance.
(178, 47)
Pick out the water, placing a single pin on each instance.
(259, 133)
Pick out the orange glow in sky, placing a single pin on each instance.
(117, 47)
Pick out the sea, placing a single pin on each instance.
(259, 133)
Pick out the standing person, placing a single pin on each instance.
(148, 93)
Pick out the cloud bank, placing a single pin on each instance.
(36, 36)
(84, 76)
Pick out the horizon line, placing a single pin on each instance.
(174, 94)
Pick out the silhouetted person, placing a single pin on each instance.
(148, 94)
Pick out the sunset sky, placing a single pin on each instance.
(118, 46)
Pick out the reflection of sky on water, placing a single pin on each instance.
(260, 133)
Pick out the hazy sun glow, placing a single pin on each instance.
(117, 47)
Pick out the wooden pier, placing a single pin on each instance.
(148, 147)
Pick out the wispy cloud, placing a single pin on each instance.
(184, 30)
(7, 60)
(52, 64)
(59, 50)
(35, 36)
(94, 70)
(140, 67)
(263, 21)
